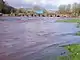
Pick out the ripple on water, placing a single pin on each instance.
(35, 40)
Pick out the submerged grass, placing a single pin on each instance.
(74, 50)
(70, 21)
(78, 33)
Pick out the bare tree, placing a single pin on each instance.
(62, 9)
(68, 8)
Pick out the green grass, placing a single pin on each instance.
(75, 52)
(78, 33)
(70, 21)
(74, 49)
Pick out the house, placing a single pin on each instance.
(39, 11)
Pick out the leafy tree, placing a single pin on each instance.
(1, 5)
(5, 8)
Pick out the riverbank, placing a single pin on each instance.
(74, 50)
(70, 20)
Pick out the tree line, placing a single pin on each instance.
(72, 9)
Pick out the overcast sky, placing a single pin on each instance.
(49, 4)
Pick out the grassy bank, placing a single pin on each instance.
(78, 33)
(74, 50)
(70, 21)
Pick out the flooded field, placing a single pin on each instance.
(23, 38)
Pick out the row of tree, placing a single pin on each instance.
(73, 9)
(29, 10)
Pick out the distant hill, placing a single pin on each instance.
(5, 8)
